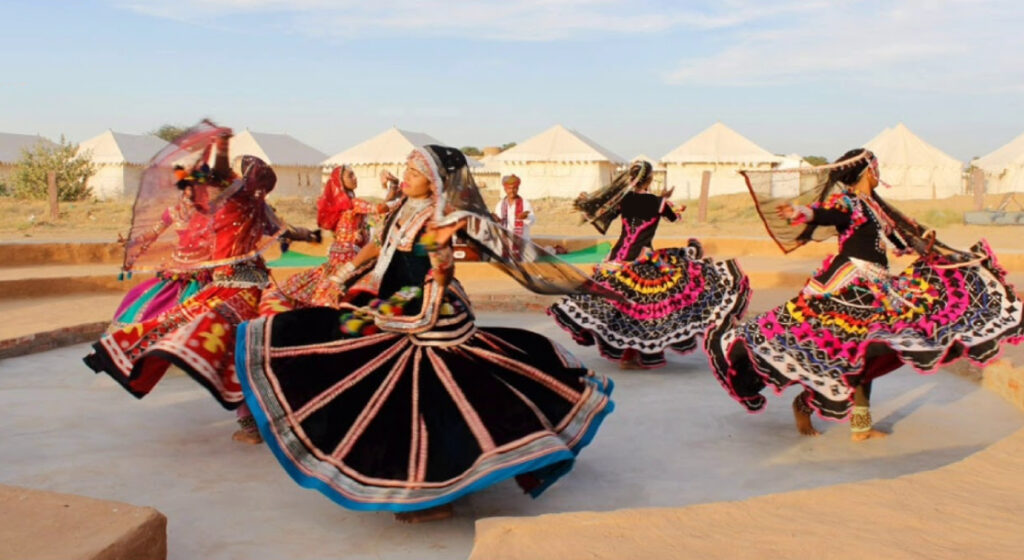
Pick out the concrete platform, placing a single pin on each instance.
(970, 509)
(37, 525)
(675, 439)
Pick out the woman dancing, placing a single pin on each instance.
(339, 211)
(853, 321)
(405, 404)
(198, 335)
(178, 280)
(670, 296)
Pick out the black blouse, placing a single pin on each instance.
(641, 213)
(861, 234)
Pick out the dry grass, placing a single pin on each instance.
(728, 216)
(27, 219)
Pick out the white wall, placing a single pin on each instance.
(1010, 180)
(487, 180)
(559, 180)
(109, 182)
(725, 178)
(294, 181)
(921, 183)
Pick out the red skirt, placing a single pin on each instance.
(198, 336)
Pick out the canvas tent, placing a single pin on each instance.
(120, 160)
(385, 151)
(559, 163)
(297, 165)
(11, 146)
(1004, 168)
(914, 168)
(720, 150)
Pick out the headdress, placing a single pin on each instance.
(602, 206)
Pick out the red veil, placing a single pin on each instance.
(151, 245)
(334, 200)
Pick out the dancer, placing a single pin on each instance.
(671, 296)
(405, 404)
(177, 281)
(853, 321)
(339, 211)
(198, 334)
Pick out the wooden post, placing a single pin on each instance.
(977, 179)
(705, 187)
(51, 182)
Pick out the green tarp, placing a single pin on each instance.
(590, 255)
(293, 259)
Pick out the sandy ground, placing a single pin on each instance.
(728, 216)
(675, 439)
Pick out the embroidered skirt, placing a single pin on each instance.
(672, 296)
(155, 296)
(311, 287)
(198, 336)
(931, 314)
(402, 422)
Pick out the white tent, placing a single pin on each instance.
(385, 151)
(1004, 168)
(297, 165)
(558, 163)
(11, 146)
(120, 160)
(720, 150)
(488, 174)
(915, 168)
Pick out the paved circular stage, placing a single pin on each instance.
(674, 439)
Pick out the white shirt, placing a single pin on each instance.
(510, 221)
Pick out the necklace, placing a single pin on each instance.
(410, 208)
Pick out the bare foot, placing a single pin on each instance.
(245, 436)
(630, 360)
(424, 515)
(803, 421)
(870, 434)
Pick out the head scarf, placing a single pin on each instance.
(512, 180)
(602, 206)
(334, 200)
(243, 222)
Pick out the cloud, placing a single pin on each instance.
(910, 44)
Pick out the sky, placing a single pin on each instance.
(638, 77)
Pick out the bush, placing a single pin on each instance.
(29, 177)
